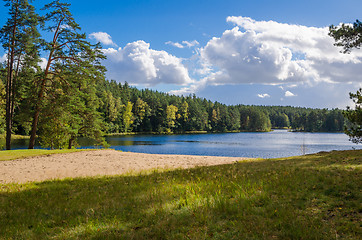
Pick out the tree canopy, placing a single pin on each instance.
(349, 36)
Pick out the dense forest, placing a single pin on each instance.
(69, 96)
(127, 109)
(122, 108)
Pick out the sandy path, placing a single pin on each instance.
(94, 163)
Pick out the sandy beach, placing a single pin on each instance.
(97, 163)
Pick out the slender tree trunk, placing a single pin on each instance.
(42, 89)
(9, 84)
(70, 144)
(34, 128)
(8, 108)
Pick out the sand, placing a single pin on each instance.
(97, 163)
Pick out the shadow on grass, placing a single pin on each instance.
(309, 197)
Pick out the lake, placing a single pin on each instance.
(278, 143)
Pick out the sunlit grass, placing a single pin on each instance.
(309, 197)
(14, 136)
(23, 153)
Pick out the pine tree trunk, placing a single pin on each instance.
(8, 99)
(70, 145)
(9, 84)
(8, 114)
(33, 129)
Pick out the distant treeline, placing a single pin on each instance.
(128, 109)
(123, 109)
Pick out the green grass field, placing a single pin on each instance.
(309, 197)
(15, 154)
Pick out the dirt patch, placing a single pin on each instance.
(96, 163)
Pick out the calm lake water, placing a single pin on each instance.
(279, 143)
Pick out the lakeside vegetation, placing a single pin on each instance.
(120, 109)
(307, 197)
(24, 153)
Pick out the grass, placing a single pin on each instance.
(23, 153)
(308, 197)
(14, 136)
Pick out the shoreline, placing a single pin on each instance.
(98, 163)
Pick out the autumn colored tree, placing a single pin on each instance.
(171, 111)
(128, 117)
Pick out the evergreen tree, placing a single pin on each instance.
(354, 116)
(347, 36)
(69, 53)
(350, 37)
(19, 37)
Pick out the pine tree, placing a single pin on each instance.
(69, 54)
(349, 37)
(19, 37)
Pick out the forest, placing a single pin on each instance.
(66, 95)
(127, 109)
(109, 107)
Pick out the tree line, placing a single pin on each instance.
(128, 109)
(120, 108)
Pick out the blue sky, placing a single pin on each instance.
(235, 52)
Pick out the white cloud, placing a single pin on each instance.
(190, 44)
(3, 58)
(184, 44)
(102, 37)
(175, 44)
(269, 52)
(136, 63)
(289, 94)
(265, 95)
(43, 63)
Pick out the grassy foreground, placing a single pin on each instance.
(309, 197)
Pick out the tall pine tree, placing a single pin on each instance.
(19, 37)
(70, 56)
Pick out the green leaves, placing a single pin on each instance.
(350, 36)
(347, 36)
(354, 128)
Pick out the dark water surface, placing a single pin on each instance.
(279, 143)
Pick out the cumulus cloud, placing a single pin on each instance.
(3, 58)
(43, 63)
(102, 37)
(268, 52)
(184, 44)
(289, 94)
(265, 95)
(137, 63)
